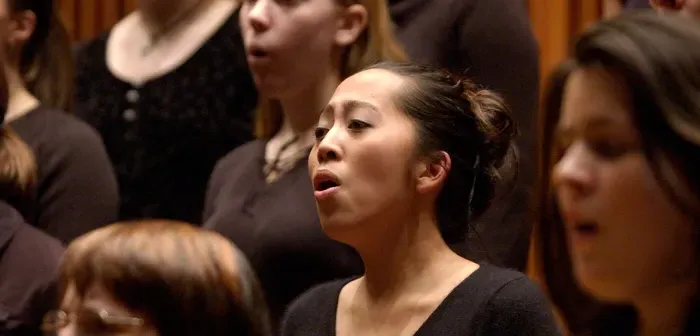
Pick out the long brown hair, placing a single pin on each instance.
(376, 43)
(46, 61)
(658, 56)
(18, 171)
(185, 280)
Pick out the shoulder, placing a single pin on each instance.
(57, 128)
(312, 308)
(88, 52)
(245, 153)
(516, 305)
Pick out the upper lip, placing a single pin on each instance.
(322, 177)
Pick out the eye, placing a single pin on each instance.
(356, 125)
(608, 149)
(320, 132)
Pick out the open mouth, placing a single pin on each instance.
(586, 228)
(325, 185)
(257, 52)
(324, 181)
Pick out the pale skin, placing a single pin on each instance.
(642, 253)
(388, 217)
(291, 32)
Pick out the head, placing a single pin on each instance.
(399, 139)
(157, 278)
(294, 46)
(686, 7)
(38, 48)
(620, 189)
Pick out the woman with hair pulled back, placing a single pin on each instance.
(76, 189)
(405, 158)
(260, 195)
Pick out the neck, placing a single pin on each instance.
(159, 15)
(301, 111)
(665, 312)
(414, 260)
(20, 100)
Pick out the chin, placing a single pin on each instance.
(609, 289)
(339, 228)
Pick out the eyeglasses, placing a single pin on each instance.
(90, 322)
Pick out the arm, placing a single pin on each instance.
(78, 191)
(520, 308)
(499, 49)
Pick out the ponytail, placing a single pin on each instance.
(47, 66)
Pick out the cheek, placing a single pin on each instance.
(646, 237)
(383, 166)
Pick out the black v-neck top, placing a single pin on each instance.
(275, 225)
(490, 302)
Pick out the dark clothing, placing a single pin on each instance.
(637, 4)
(490, 302)
(165, 136)
(276, 226)
(490, 41)
(76, 191)
(29, 262)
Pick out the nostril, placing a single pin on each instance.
(331, 155)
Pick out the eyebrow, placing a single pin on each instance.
(595, 123)
(347, 106)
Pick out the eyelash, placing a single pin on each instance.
(354, 126)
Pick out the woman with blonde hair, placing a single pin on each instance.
(260, 195)
(157, 278)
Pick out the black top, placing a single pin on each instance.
(637, 4)
(165, 136)
(76, 190)
(490, 302)
(492, 42)
(276, 226)
(29, 262)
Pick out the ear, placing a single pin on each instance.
(432, 174)
(21, 27)
(352, 22)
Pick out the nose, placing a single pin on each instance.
(258, 16)
(328, 148)
(573, 171)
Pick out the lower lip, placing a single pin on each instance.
(582, 237)
(325, 194)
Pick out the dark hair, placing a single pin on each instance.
(471, 124)
(185, 280)
(46, 61)
(658, 57)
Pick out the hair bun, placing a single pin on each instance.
(493, 119)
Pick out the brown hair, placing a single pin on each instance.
(471, 124)
(376, 43)
(185, 280)
(46, 61)
(658, 57)
(18, 172)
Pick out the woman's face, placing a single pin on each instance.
(366, 147)
(291, 43)
(98, 313)
(626, 238)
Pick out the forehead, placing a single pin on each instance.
(377, 87)
(594, 94)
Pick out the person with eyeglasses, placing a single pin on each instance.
(156, 277)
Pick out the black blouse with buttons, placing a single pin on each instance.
(165, 135)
